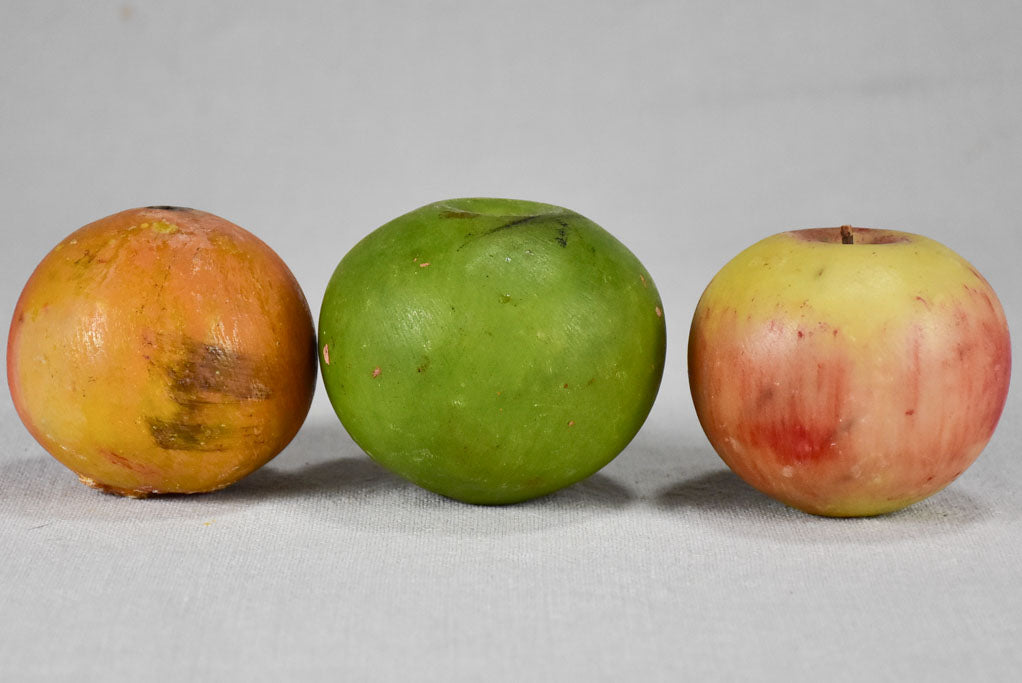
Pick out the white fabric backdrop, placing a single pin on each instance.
(689, 130)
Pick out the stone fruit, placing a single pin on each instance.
(848, 371)
(491, 350)
(162, 350)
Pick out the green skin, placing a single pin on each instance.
(491, 350)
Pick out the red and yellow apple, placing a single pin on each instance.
(162, 350)
(848, 371)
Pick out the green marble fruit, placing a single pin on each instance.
(491, 350)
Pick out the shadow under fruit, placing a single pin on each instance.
(162, 350)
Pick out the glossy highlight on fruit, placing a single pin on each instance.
(491, 350)
(162, 350)
(849, 372)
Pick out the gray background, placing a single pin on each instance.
(689, 130)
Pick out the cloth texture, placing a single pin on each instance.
(688, 130)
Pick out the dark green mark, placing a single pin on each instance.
(454, 213)
(560, 238)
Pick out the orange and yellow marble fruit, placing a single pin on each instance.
(162, 350)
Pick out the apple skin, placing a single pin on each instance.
(162, 350)
(491, 350)
(848, 379)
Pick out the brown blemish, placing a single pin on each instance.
(140, 492)
(565, 385)
(214, 374)
(888, 239)
(187, 435)
(423, 364)
(376, 372)
(85, 259)
(643, 278)
(206, 375)
(857, 235)
(910, 411)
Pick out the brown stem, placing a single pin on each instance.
(846, 235)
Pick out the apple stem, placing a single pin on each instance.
(846, 235)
